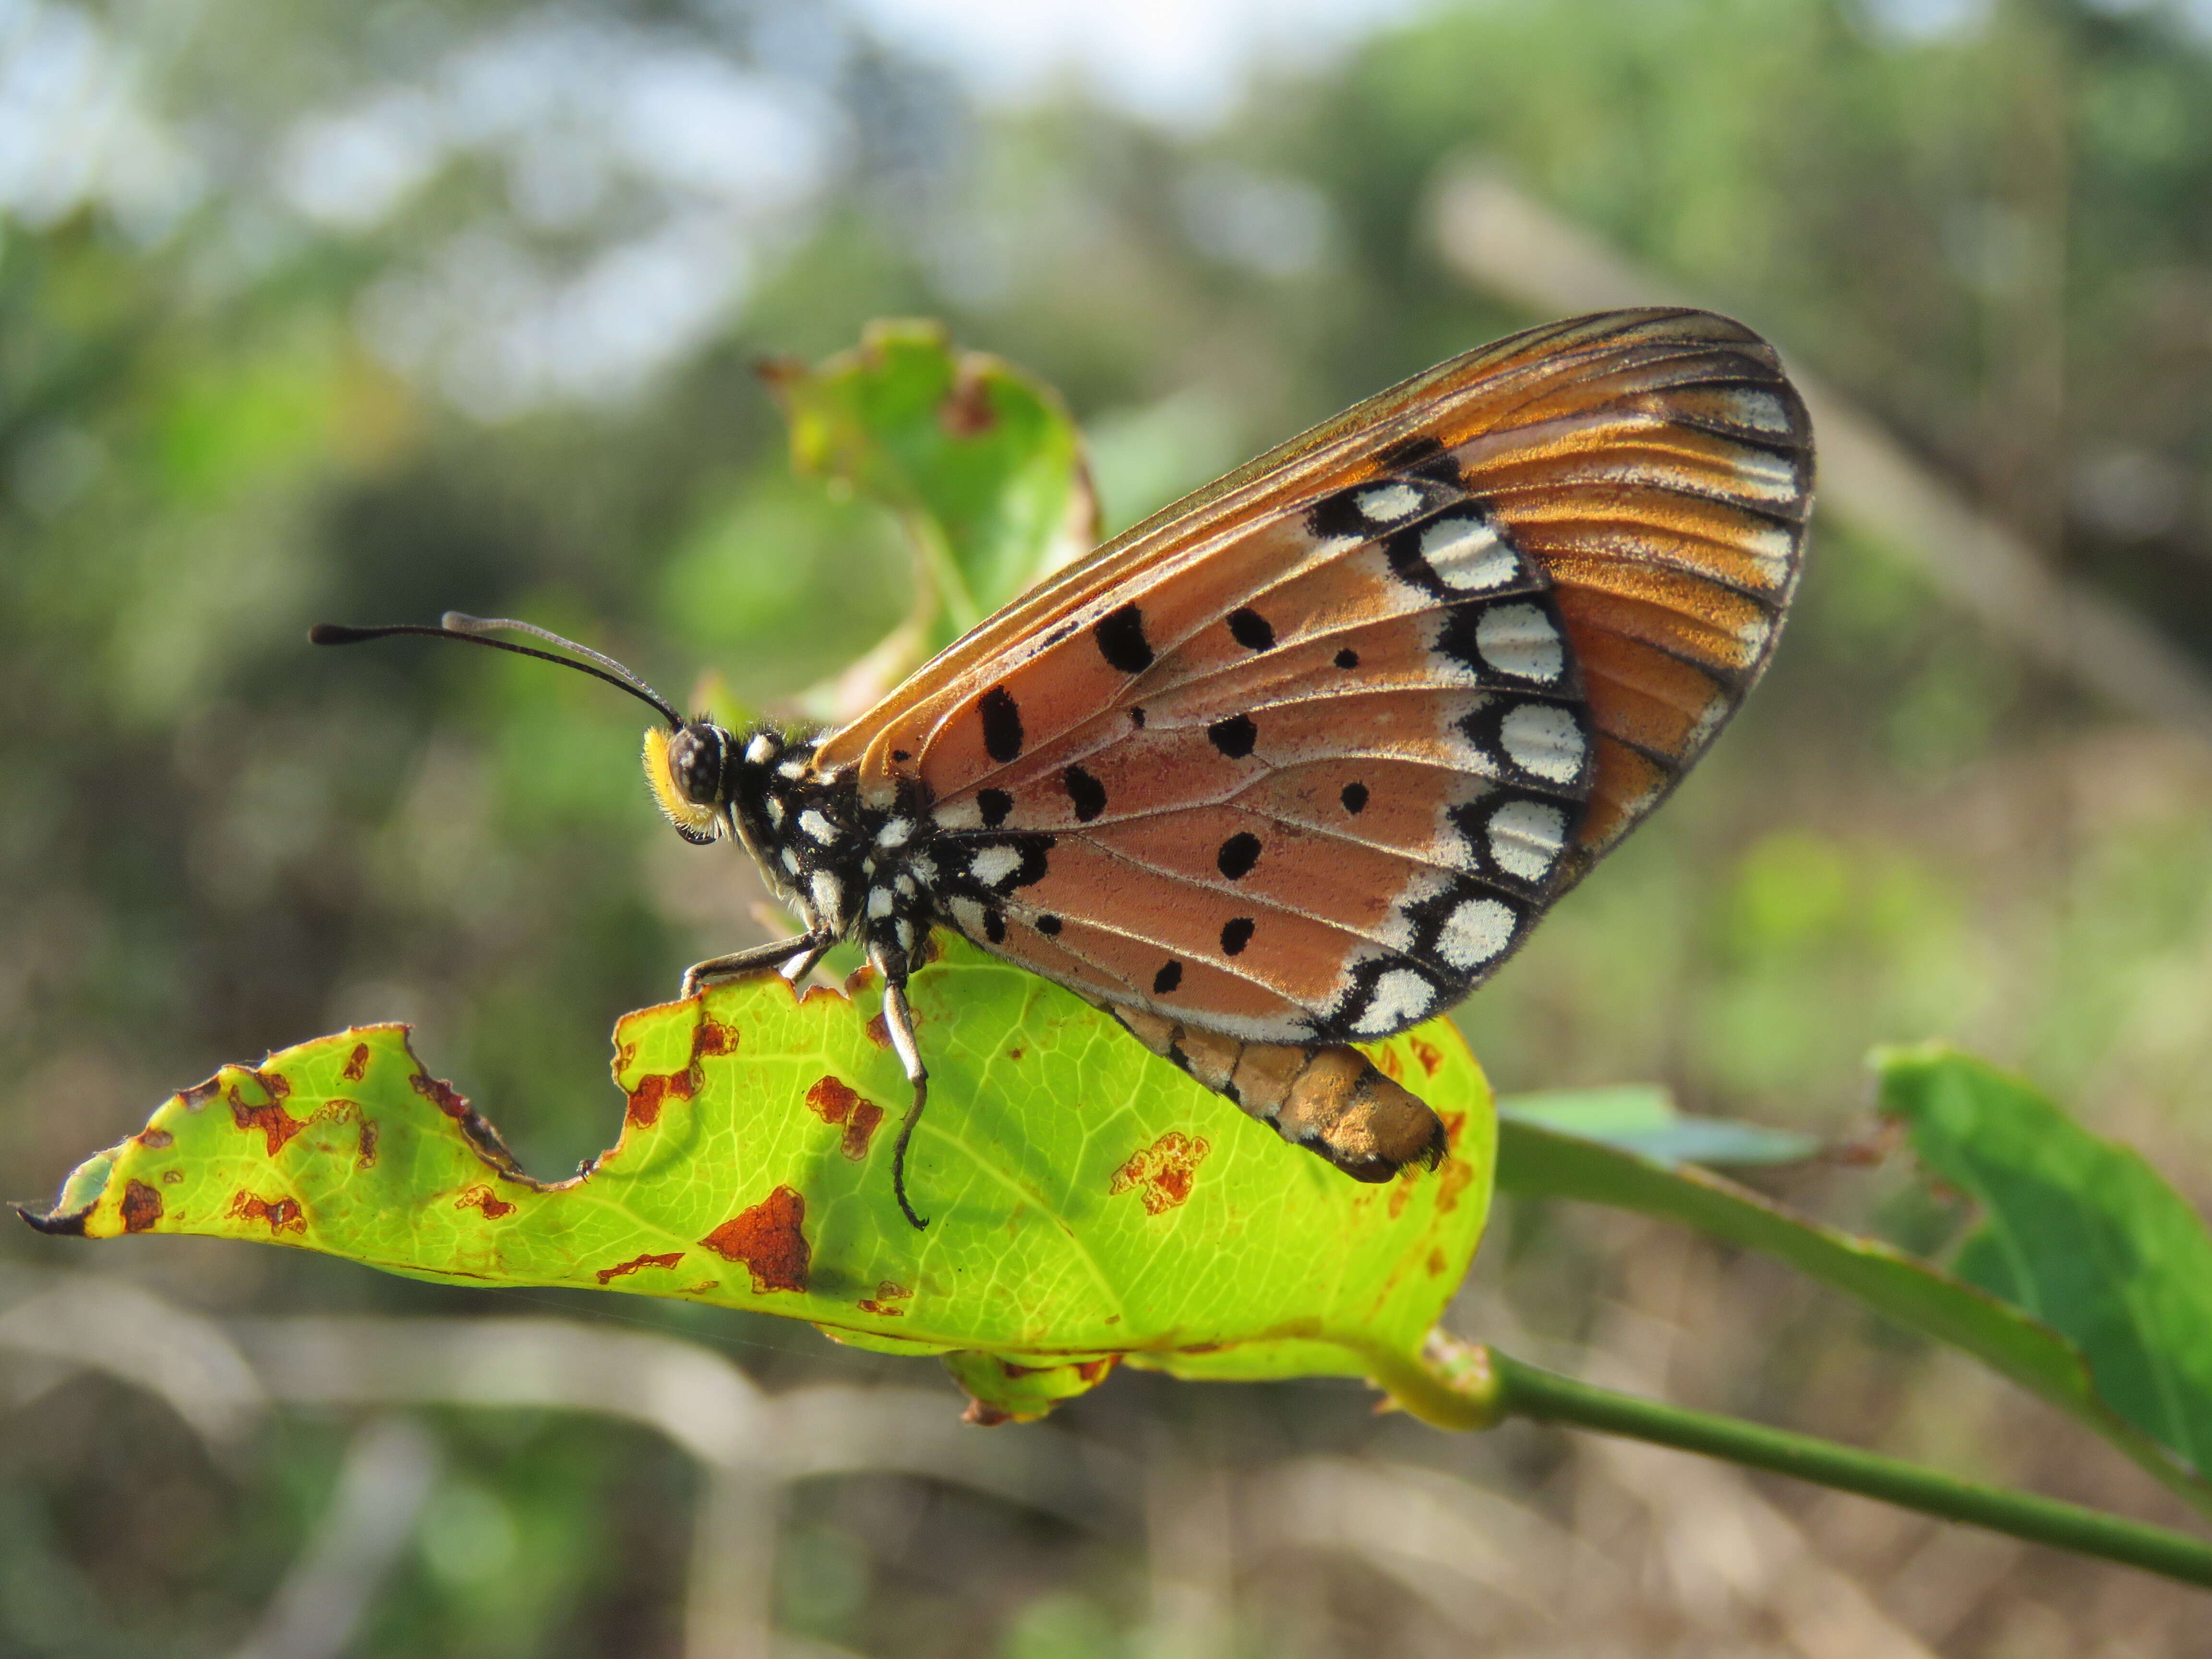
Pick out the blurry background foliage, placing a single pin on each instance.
(363, 311)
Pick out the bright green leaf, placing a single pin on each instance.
(1533, 1161)
(1640, 1117)
(980, 460)
(1087, 1201)
(2078, 1231)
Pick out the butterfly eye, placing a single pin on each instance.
(685, 768)
(695, 761)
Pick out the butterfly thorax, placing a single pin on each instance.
(845, 867)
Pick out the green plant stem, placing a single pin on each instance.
(1529, 1391)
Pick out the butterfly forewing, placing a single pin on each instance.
(1304, 758)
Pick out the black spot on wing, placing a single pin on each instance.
(1048, 924)
(1236, 935)
(1084, 792)
(995, 925)
(1354, 798)
(1237, 855)
(1121, 641)
(1347, 658)
(1234, 736)
(1167, 978)
(1417, 454)
(1002, 725)
(993, 804)
(1251, 631)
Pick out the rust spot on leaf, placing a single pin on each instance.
(356, 1066)
(1436, 1263)
(276, 1125)
(155, 1139)
(1453, 1122)
(710, 1039)
(1162, 1173)
(622, 1269)
(966, 411)
(980, 1416)
(283, 1215)
(1014, 1053)
(1400, 1193)
(858, 980)
(654, 1091)
(481, 1197)
(1428, 1054)
(814, 991)
(1451, 1181)
(367, 1157)
(1391, 1065)
(171, 1177)
(141, 1207)
(878, 1033)
(770, 1239)
(443, 1096)
(200, 1093)
(833, 1101)
(887, 1292)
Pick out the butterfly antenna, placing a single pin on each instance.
(473, 630)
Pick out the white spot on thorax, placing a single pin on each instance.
(790, 859)
(775, 810)
(1519, 638)
(791, 769)
(895, 833)
(993, 865)
(1543, 739)
(905, 884)
(905, 932)
(816, 826)
(1400, 998)
(1467, 555)
(1477, 931)
(762, 749)
(1526, 837)
(879, 902)
(828, 896)
(1387, 503)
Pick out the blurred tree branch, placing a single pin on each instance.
(1495, 236)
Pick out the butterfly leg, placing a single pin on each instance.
(782, 954)
(1327, 1098)
(898, 1021)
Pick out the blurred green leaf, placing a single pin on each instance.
(1640, 1117)
(2080, 1232)
(1539, 1162)
(1086, 1199)
(980, 460)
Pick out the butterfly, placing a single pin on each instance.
(1299, 761)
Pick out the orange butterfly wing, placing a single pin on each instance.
(1305, 756)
